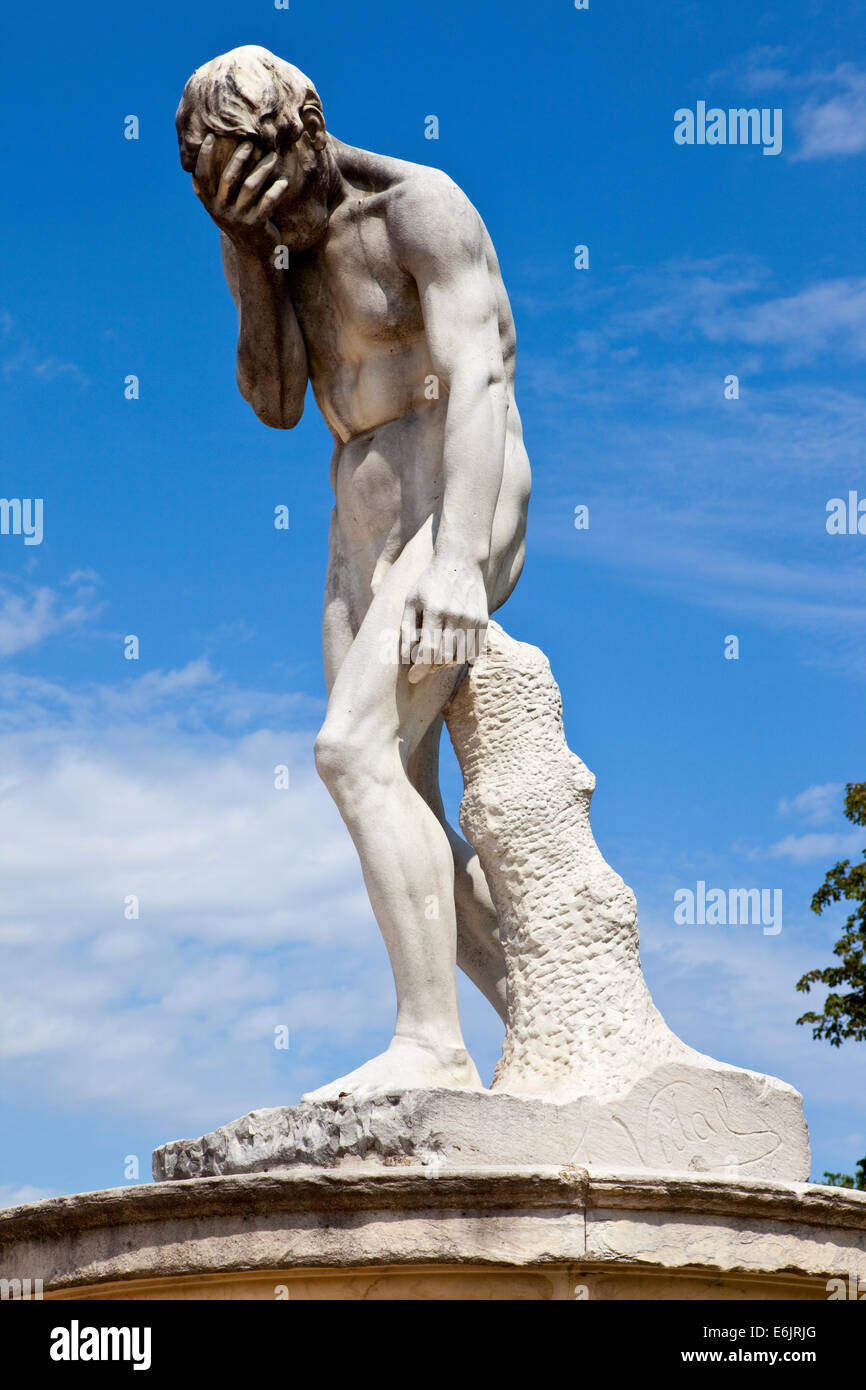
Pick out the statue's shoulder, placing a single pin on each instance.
(423, 206)
(426, 206)
(424, 184)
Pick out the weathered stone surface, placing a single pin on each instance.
(580, 1018)
(581, 1024)
(736, 1122)
(620, 1234)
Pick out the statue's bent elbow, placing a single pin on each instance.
(270, 408)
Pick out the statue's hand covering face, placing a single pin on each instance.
(250, 97)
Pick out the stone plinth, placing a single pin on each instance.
(738, 1124)
(473, 1233)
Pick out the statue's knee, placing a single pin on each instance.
(352, 766)
(332, 755)
(340, 759)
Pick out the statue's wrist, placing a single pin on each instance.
(251, 258)
(257, 262)
(459, 551)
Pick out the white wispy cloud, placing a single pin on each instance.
(825, 317)
(19, 1196)
(21, 353)
(832, 122)
(760, 69)
(193, 696)
(816, 805)
(815, 846)
(828, 104)
(28, 618)
(731, 300)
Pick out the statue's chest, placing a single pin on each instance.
(350, 295)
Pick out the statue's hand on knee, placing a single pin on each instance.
(445, 617)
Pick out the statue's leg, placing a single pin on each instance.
(479, 950)
(375, 723)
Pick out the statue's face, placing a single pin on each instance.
(302, 213)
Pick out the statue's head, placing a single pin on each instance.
(251, 94)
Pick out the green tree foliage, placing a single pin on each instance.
(844, 1013)
(846, 1180)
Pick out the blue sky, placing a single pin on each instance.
(707, 518)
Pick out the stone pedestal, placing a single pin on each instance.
(734, 1123)
(399, 1232)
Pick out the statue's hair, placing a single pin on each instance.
(248, 92)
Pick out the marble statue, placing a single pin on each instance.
(376, 281)
(394, 310)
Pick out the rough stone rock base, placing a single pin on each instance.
(677, 1118)
(582, 1029)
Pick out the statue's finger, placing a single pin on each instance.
(408, 633)
(442, 633)
(203, 172)
(421, 666)
(255, 181)
(269, 200)
(233, 171)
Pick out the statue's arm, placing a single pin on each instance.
(442, 243)
(272, 368)
(239, 191)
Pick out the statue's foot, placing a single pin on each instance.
(406, 1066)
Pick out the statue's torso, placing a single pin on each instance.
(374, 381)
(361, 319)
